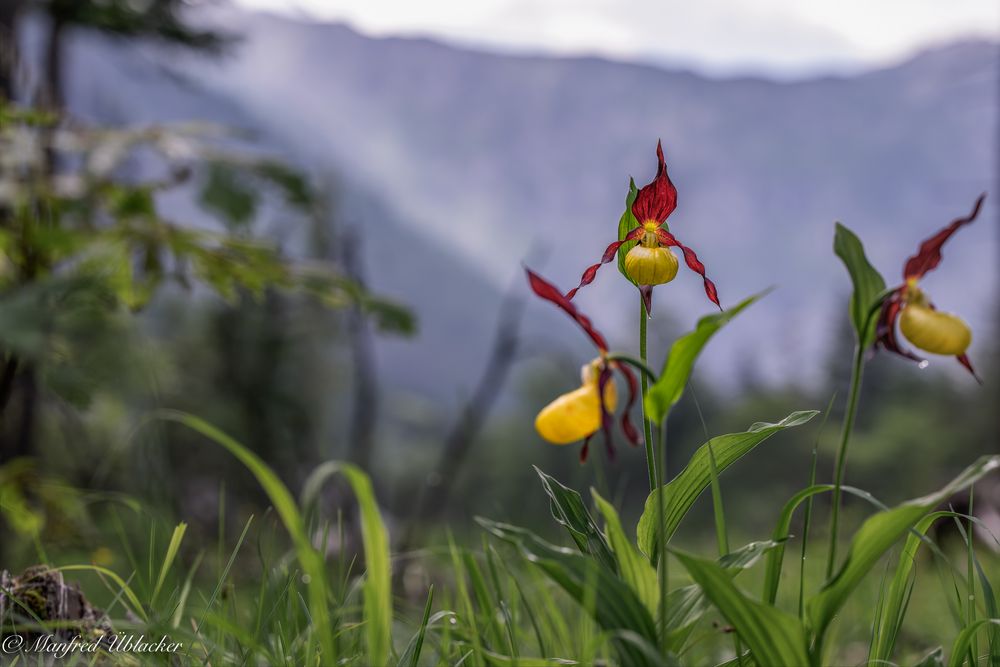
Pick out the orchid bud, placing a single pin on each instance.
(576, 415)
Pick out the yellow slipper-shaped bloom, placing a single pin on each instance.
(576, 415)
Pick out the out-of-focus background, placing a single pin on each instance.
(447, 144)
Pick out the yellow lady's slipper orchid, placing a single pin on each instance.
(577, 415)
(649, 263)
(919, 321)
(931, 330)
(581, 413)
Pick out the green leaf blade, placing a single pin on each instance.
(668, 389)
(682, 492)
(868, 282)
(876, 536)
(569, 510)
(608, 599)
(773, 636)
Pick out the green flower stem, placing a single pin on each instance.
(647, 429)
(845, 438)
(663, 564)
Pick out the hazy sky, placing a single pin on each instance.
(777, 36)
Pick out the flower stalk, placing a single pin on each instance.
(647, 427)
(845, 437)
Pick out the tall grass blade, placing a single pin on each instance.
(310, 559)
(168, 558)
(378, 566)
(680, 494)
(892, 607)
(185, 592)
(721, 534)
(608, 599)
(782, 531)
(960, 649)
(411, 656)
(875, 537)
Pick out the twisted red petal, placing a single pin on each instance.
(885, 331)
(548, 291)
(657, 200)
(964, 360)
(609, 254)
(646, 292)
(929, 254)
(633, 392)
(668, 239)
(606, 417)
(585, 450)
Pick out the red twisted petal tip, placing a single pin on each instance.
(548, 291)
(606, 418)
(657, 200)
(964, 360)
(885, 329)
(929, 254)
(609, 254)
(633, 392)
(646, 292)
(585, 450)
(691, 259)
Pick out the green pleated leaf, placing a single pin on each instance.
(607, 598)
(876, 536)
(626, 224)
(668, 389)
(773, 636)
(688, 604)
(682, 491)
(868, 282)
(633, 567)
(568, 509)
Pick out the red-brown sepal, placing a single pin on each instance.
(606, 418)
(885, 329)
(929, 254)
(657, 200)
(548, 291)
(609, 254)
(628, 428)
(964, 360)
(691, 259)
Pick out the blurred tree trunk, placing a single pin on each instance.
(364, 413)
(459, 441)
(9, 12)
(54, 55)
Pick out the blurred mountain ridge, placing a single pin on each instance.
(461, 164)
